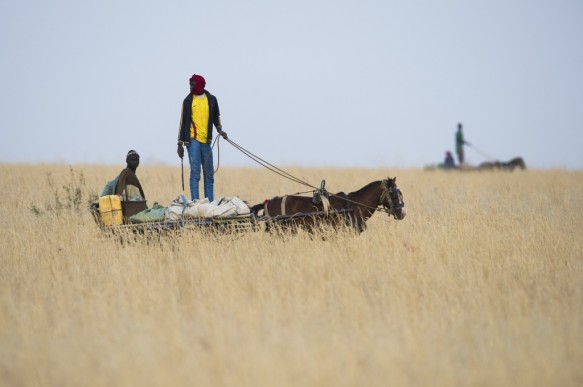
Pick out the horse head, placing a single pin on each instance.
(392, 199)
(518, 162)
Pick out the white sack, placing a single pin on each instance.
(221, 207)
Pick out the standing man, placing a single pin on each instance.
(200, 111)
(459, 144)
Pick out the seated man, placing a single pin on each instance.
(448, 162)
(127, 184)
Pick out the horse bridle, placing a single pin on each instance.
(393, 194)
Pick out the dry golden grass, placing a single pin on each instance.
(480, 285)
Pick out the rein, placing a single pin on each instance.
(218, 152)
(206, 159)
(379, 207)
(268, 165)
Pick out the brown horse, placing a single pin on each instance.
(352, 209)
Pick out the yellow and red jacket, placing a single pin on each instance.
(186, 118)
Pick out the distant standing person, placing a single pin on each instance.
(200, 111)
(459, 144)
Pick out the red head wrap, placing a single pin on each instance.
(200, 84)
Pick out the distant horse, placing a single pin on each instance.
(516, 162)
(352, 209)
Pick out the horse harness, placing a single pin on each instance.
(323, 199)
(321, 196)
(393, 194)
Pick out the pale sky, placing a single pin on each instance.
(312, 83)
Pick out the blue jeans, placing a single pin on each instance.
(201, 155)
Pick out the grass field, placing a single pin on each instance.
(480, 285)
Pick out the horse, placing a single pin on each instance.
(352, 209)
(516, 162)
